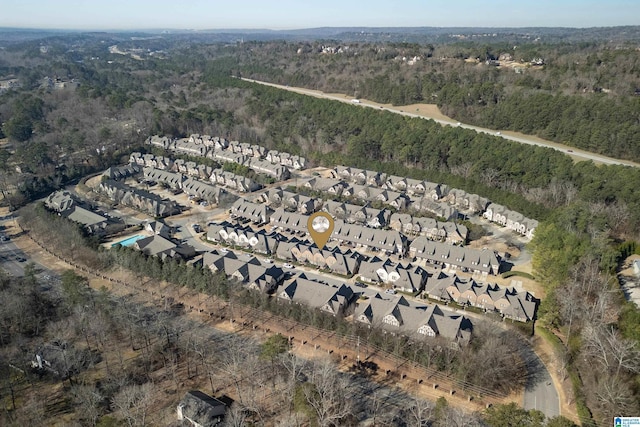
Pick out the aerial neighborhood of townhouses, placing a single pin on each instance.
(401, 266)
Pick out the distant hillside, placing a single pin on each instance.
(361, 34)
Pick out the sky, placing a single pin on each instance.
(296, 14)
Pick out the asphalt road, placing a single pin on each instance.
(12, 259)
(540, 392)
(529, 140)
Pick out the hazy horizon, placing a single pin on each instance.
(119, 15)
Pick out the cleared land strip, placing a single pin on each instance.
(306, 340)
(576, 153)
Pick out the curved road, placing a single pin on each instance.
(523, 139)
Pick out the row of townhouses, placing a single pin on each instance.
(362, 215)
(509, 302)
(413, 187)
(191, 186)
(491, 297)
(258, 214)
(391, 313)
(417, 203)
(257, 241)
(119, 173)
(438, 208)
(163, 247)
(172, 180)
(373, 194)
(63, 203)
(461, 258)
(334, 260)
(277, 197)
(396, 314)
(445, 231)
(424, 196)
(194, 169)
(206, 146)
(510, 219)
(230, 180)
(516, 305)
(248, 271)
(278, 172)
(239, 183)
(138, 199)
(404, 277)
(390, 241)
(151, 161)
(335, 300)
(355, 214)
(202, 190)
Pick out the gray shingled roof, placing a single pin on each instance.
(202, 409)
(396, 314)
(484, 260)
(318, 295)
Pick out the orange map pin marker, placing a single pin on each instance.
(320, 226)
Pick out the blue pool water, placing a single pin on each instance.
(129, 241)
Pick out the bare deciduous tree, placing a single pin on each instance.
(615, 353)
(235, 416)
(615, 397)
(329, 397)
(132, 403)
(88, 400)
(420, 413)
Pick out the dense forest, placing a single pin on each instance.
(583, 94)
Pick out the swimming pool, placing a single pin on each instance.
(129, 240)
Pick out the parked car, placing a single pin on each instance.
(390, 291)
(361, 285)
(287, 265)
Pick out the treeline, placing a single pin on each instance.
(530, 180)
(583, 96)
(577, 263)
(596, 123)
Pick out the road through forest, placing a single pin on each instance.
(575, 153)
